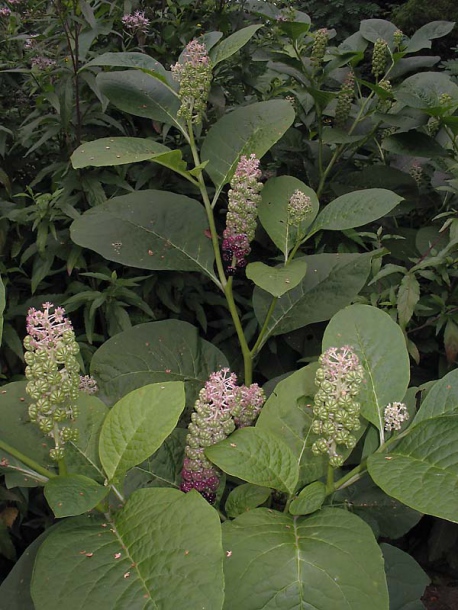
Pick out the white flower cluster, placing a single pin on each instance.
(395, 413)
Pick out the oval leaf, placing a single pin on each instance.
(277, 280)
(116, 151)
(73, 494)
(244, 498)
(332, 281)
(256, 456)
(273, 211)
(232, 43)
(162, 550)
(373, 335)
(246, 130)
(406, 580)
(138, 424)
(309, 500)
(442, 399)
(169, 350)
(329, 560)
(422, 471)
(149, 230)
(355, 209)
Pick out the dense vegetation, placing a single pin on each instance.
(223, 197)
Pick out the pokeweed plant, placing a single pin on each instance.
(259, 503)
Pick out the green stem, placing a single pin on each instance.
(224, 284)
(351, 477)
(330, 480)
(262, 333)
(27, 461)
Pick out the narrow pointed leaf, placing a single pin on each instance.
(2, 307)
(328, 560)
(355, 209)
(373, 335)
(408, 297)
(141, 61)
(162, 550)
(256, 456)
(138, 424)
(232, 43)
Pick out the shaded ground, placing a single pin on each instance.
(441, 597)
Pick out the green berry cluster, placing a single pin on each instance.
(319, 46)
(194, 73)
(344, 100)
(336, 409)
(384, 104)
(398, 38)
(53, 375)
(379, 57)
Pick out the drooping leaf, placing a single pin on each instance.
(247, 130)
(256, 456)
(162, 550)
(138, 424)
(169, 350)
(277, 280)
(309, 500)
(273, 211)
(355, 209)
(414, 144)
(331, 282)
(408, 297)
(373, 334)
(140, 61)
(232, 43)
(148, 229)
(328, 560)
(73, 494)
(140, 94)
(405, 578)
(422, 470)
(441, 399)
(423, 36)
(244, 498)
(288, 415)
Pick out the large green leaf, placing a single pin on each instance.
(148, 229)
(387, 517)
(257, 456)
(331, 282)
(422, 471)
(232, 43)
(140, 61)
(163, 468)
(414, 143)
(15, 589)
(162, 550)
(355, 209)
(140, 94)
(406, 580)
(15, 427)
(329, 560)
(373, 335)
(273, 211)
(277, 280)
(442, 399)
(169, 350)
(116, 151)
(288, 415)
(422, 37)
(246, 130)
(373, 29)
(73, 494)
(423, 90)
(138, 424)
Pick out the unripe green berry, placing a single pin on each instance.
(57, 454)
(46, 424)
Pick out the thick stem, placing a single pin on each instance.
(27, 461)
